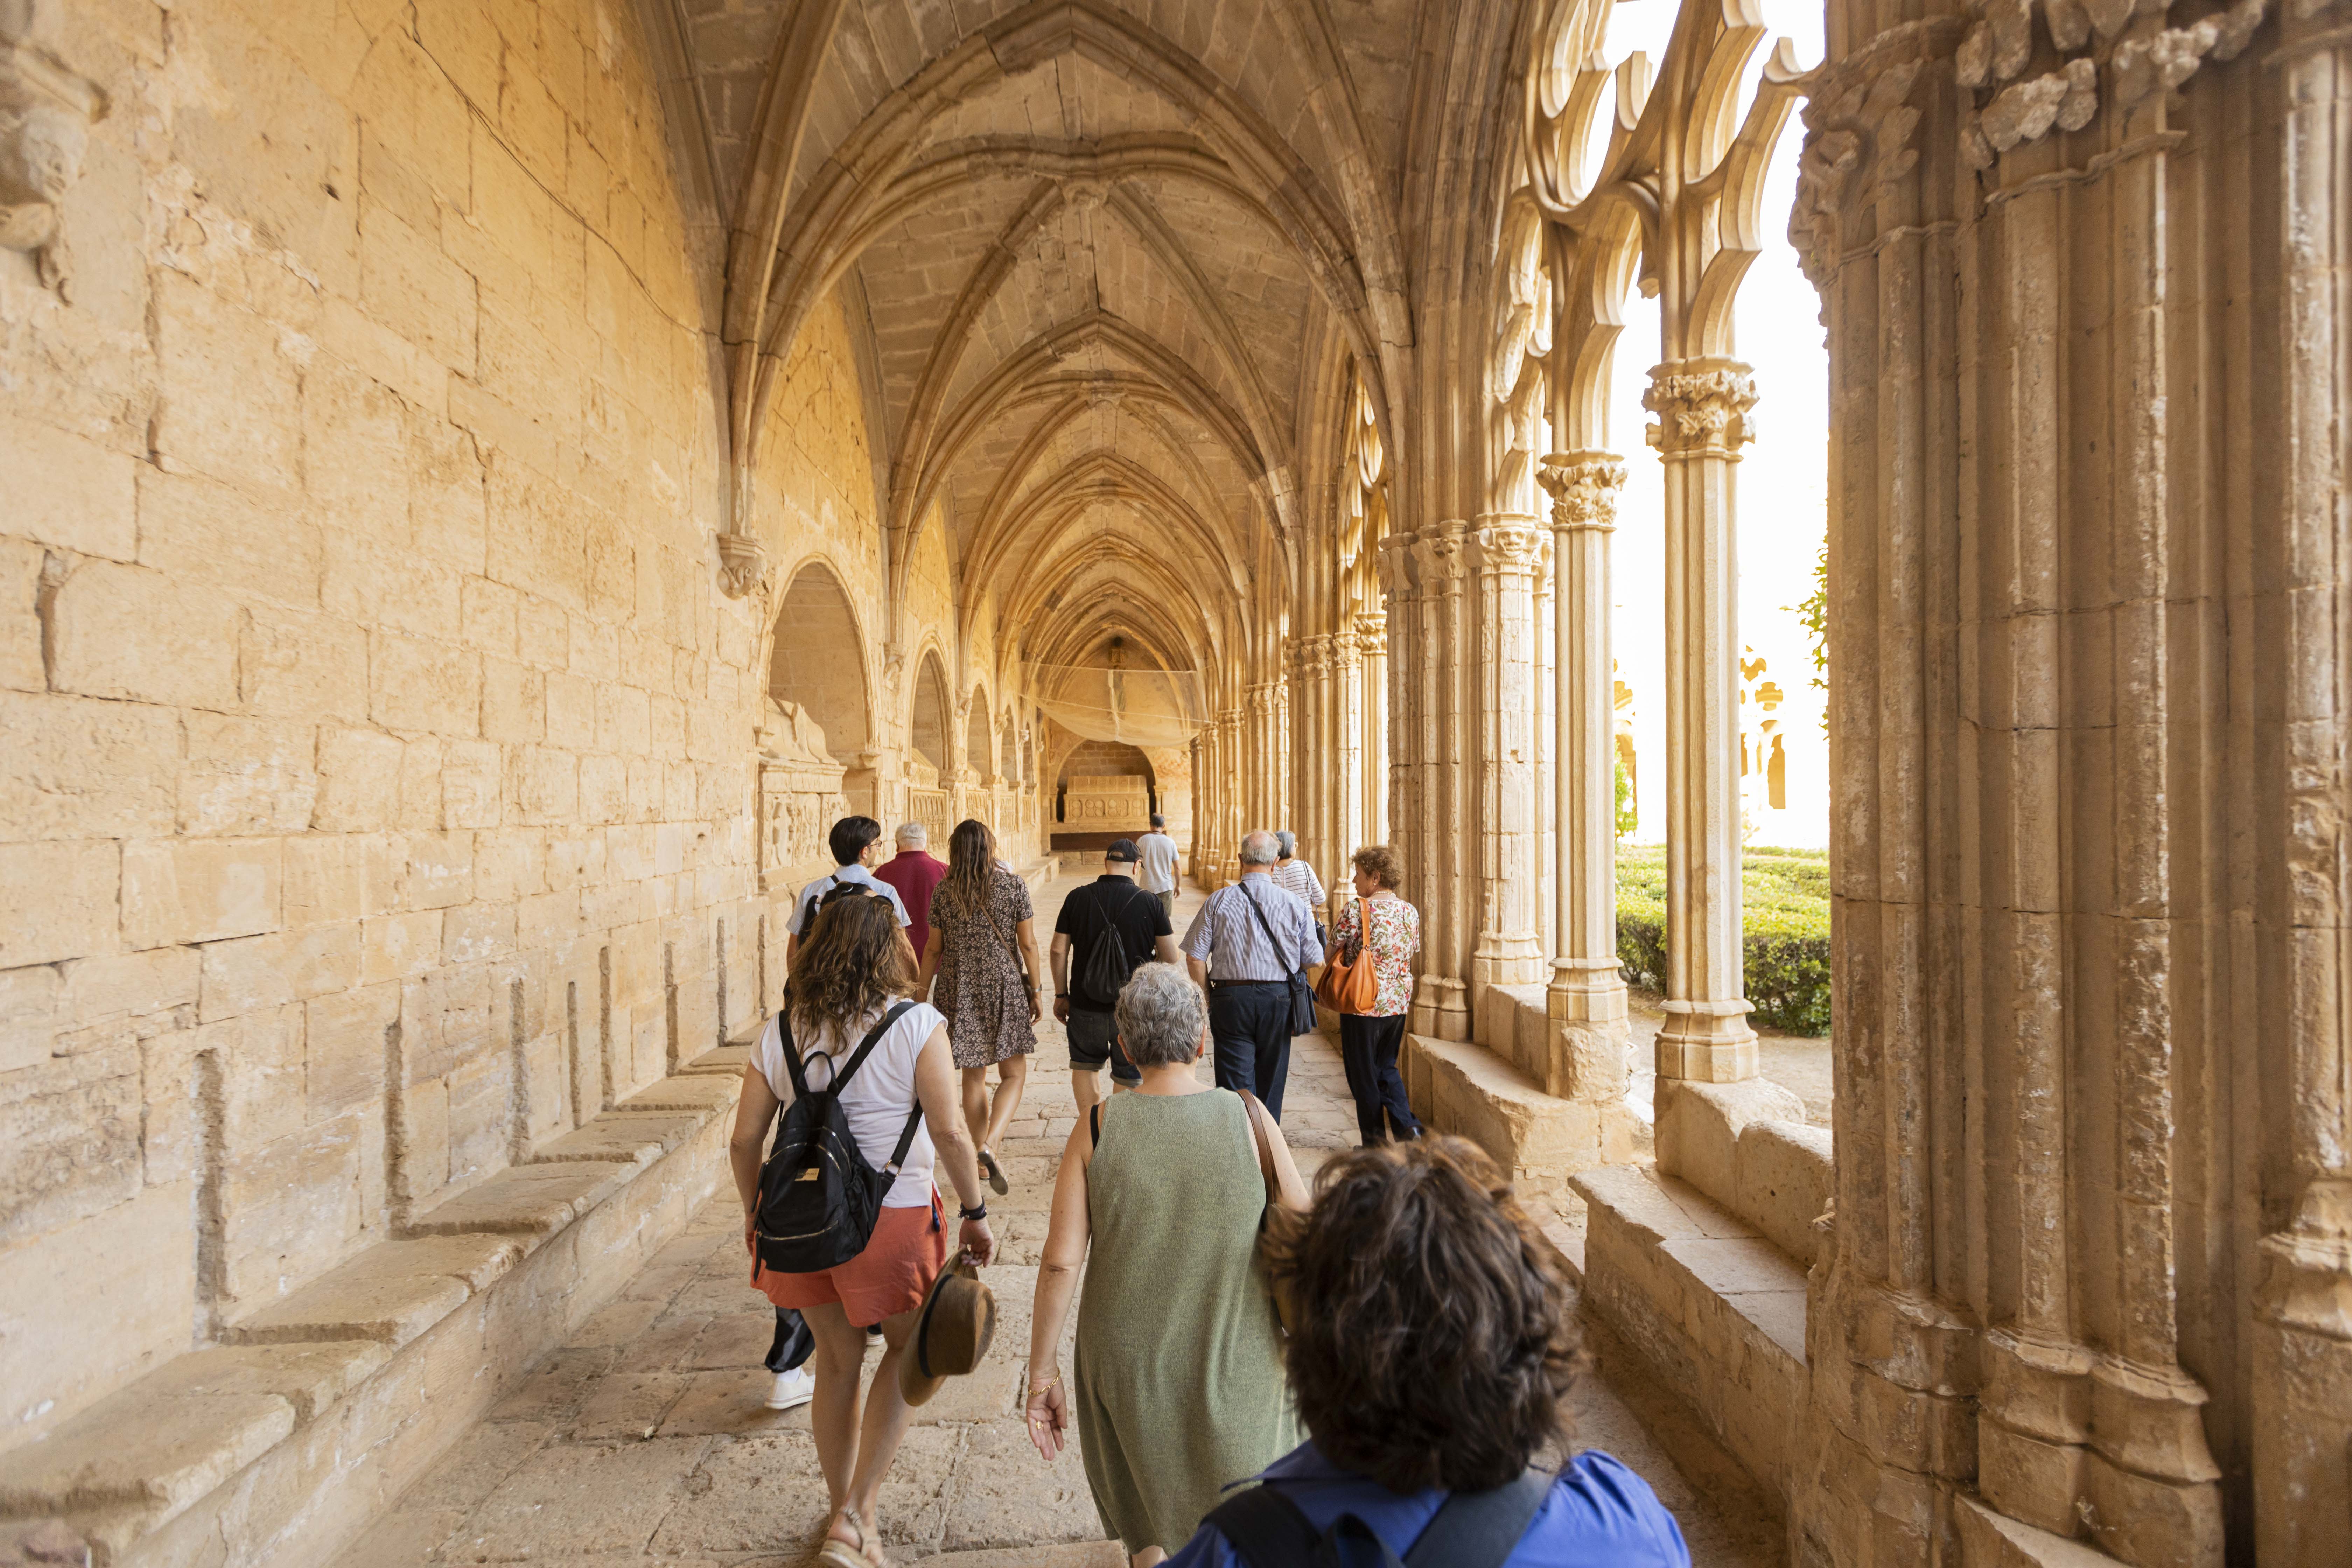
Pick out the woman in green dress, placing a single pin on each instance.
(1179, 1390)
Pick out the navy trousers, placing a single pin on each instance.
(1368, 1050)
(1249, 1025)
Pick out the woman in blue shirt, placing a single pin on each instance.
(1433, 1356)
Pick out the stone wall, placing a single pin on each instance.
(377, 760)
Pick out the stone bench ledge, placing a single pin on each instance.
(628, 1138)
(532, 1202)
(1715, 1308)
(703, 1093)
(390, 1293)
(122, 1472)
(1463, 1089)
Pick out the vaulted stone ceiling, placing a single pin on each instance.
(1109, 253)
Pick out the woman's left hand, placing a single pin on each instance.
(751, 1231)
(1048, 1412)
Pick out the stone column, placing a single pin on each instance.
(1372, 728)
(1441, 1002)
(1340, 821)
(1233, 728)
(1505, 550)
(1703, 421)
(1586, 1001)
(1404, 659)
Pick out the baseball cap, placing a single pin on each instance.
(1123, 849)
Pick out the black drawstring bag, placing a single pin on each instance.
(819, 1199)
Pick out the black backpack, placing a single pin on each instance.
(1472, 1530)
(819, 1199)
(1103, 972)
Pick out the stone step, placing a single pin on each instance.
(1715, 1309)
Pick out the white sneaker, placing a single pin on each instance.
(793, 1389)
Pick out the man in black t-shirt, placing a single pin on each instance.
(1110, 902)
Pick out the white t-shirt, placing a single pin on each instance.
(877, 1099)
(1159, 874)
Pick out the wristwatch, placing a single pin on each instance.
(980, 1213)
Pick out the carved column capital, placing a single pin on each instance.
(742, 565)
(1702, 404)
(46, 111)
(1507, 545)
(1372, 635)
(1441, 549)
(1585, 488)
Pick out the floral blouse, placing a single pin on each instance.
(1396, 937)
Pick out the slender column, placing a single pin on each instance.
(1233, 729)
(1443, 999)
(1406, 655)
(1372, 726)
(1586, 1001)
(2303, 1357)
(1702, 406)
(1505, 550)
(1342, 821)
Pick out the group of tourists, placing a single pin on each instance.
(1386, 1356)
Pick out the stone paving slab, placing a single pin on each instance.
(645, 1439)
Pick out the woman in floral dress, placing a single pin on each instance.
(1368, 1042)
(983, 934)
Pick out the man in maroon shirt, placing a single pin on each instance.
(916, 876)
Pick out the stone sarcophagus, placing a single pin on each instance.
(1107, 803)
(800, 798)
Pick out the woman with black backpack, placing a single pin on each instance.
(844, 1224)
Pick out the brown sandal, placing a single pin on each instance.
(835, 1554)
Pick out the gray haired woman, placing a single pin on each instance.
(1179, 1390)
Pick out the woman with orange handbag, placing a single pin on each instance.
(1383, 930)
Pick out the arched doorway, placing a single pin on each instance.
(930, 725)
(819, 661)
(1105, 790)
(818, 727)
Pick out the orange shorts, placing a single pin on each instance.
(905, 1254)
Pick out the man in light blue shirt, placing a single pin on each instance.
(1159, 876)
(855, 840)
(1244, 944)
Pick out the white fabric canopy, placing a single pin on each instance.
(1133, 707)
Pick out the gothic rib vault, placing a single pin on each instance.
(488, 482)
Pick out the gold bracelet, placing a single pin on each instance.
(1038, 1388)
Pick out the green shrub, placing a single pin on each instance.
(1785, 936)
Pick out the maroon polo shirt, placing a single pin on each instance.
(916, 877)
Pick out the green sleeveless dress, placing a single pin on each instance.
(1178, 1389)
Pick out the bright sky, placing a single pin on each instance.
(1782, 482)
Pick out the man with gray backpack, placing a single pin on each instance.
(1106, 928)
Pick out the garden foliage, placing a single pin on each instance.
(1786, 913)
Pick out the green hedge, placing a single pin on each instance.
(1785, 905)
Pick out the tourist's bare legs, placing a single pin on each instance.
(1086, 1088)
(856, 1455)
(1011, 1082)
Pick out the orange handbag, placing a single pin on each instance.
(1348, 984)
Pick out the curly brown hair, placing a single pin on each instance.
(1379, 862)
(849, 966)
(1435, 1346)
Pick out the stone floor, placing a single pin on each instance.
(644, 1438)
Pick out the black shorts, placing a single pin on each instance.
(1094, 1040)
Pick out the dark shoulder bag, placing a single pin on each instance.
(1302, 994)
(1472, 1530)
(819, 1200)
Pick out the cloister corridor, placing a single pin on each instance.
(645, 1441)
(1826, 515)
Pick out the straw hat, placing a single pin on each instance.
(951, 1332)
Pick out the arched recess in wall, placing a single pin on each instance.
(929, 726)
(1104, 759)
(819, 661)
(979, 746)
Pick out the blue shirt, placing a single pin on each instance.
(1599, 1515)
(805, 905)
(1226, 934)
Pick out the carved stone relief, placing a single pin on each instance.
(46, 112)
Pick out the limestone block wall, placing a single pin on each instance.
(376, 761)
